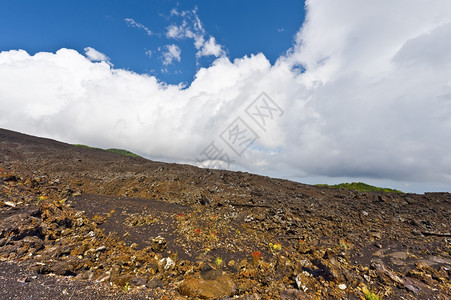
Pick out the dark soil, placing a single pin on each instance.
(18, 282)
(84, 223)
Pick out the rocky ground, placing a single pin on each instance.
(84, 223)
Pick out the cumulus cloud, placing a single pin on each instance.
(172, 53)
(377, 88)
(373, 99)
(132, 23)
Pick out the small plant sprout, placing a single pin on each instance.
(275, 247)
(369, 295)
(344, 244)
(41, 198)
(214, 218)
(218, 261)
(127, 286)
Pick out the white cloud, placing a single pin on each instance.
(191, 27)
(172, 53)
(418, 50)
(374, 101)
(378, 79)
(132, 23)
(210, 48)
(94, 55)
(174, 32)
(355, 36)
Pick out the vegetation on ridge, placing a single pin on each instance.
(123, 152)
(113, 150)
(359, 186)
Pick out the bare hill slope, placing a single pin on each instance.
(91, 224)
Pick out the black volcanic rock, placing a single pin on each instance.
(130, 228)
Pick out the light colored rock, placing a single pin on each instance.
(9, 203)
(342, 286)
(207, 289)
(167, 263)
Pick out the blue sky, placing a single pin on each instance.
(353, 91)
(241, 27)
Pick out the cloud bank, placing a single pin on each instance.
(365, 93)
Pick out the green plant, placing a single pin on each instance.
(218, 261)
(41, 198)
(370, 295)
(123, 152)
(127, 286)
(359, 186)
(344, 244)
(275, 247)
(112, 150)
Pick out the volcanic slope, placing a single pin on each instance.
(91, 224)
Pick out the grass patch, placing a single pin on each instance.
(123, 152)
(371, 295)
(359, 186)
(113, 150)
